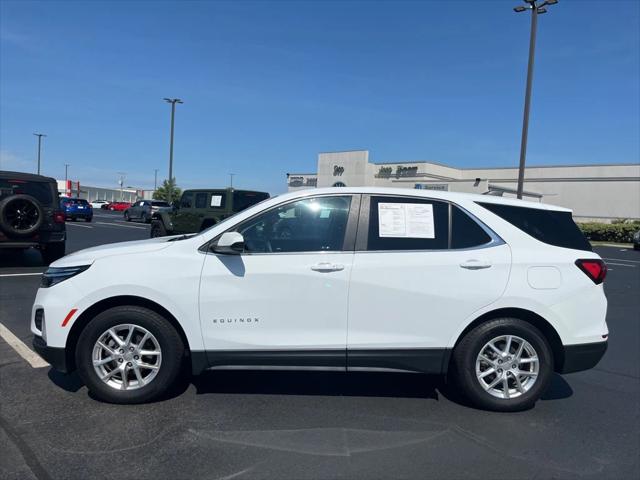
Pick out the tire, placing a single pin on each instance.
(145, 218)
(466, 354)
(158, 229)
(20, 215)
(127, 217)
(163, 336)
(52, 252)
(88, 219)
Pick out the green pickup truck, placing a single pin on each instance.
(200, 209)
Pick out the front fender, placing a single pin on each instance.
(165, 218)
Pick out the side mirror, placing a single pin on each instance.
(230, 243)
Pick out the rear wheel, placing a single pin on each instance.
(88, 219)
(505, 364)
(129, 354)
(145, 218)
(127, 217)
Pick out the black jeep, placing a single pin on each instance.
(30, 214)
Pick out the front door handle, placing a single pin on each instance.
(327, 267)
(474, 264)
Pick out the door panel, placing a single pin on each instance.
(288, 291)
(417, 299)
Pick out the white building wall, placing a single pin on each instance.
(603, 192)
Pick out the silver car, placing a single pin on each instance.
(144, 209)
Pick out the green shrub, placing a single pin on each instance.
(609, 232)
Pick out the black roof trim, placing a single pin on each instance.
(31, 177)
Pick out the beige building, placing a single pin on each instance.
(601, 192)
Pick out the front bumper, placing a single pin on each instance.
(582, 356)
(57, 357)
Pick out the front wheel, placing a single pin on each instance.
(129, 354)
(158, 229)
(127, 217)
(504, 365)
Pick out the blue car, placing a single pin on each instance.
(75, 208)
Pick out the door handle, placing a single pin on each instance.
(327, 267)
(474, 264)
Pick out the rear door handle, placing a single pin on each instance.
(327, 267)
(474, 264)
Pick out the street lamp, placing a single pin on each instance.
(231, 175)
(173, 102)
(155, 179)
(39, 135)
(121, 183)
(66, 176)
(536, 8)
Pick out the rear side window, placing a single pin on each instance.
(399, 223)
(159, 204)
(548, 226)
(243, 200)
(465, 231)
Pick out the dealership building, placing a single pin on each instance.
(601, 192)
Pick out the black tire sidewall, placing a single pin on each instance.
(7, 229)
(170, 344)
(467, 351)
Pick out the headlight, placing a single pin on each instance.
(55, 275)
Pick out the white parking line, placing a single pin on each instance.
(622, 265)
(25, 352)
(123, 226)
(78, 225)
(622, 260)
(19, 274)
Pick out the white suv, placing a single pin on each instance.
(495, 293)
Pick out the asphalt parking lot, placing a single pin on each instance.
(226, 425)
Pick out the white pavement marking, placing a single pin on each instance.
(622, 260)
(19, 274)
(123, 226)
(77, 225)
(25, 352)
(622, 265)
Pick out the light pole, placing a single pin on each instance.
(231, 175)
(155, 179)
(66, 176)
(121, 182)
(536, 8)
(173, 102)
(39, 135)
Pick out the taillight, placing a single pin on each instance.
(58, 217)
(593, 268)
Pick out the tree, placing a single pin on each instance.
(162, 193)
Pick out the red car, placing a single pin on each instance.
(118, 206)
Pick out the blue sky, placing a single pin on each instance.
(268, 85)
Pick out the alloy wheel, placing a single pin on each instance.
(507, 366)
(127, 357)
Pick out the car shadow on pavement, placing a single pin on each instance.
(67, 382)
(558, 389)
(319, 383)
(21, 258)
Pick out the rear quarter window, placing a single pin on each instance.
(549, 226)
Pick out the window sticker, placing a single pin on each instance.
(405, 220)
(216, 200)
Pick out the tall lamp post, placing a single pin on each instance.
(173, 102)
(231, 175)
(536, 8)
(39, 135)
(66, 176)
(155, 179)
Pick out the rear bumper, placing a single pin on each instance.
(57, 357)
(582, 356)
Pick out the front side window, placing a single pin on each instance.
(408, 223)
(201, 200)
(308, 225)
(187, 200)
